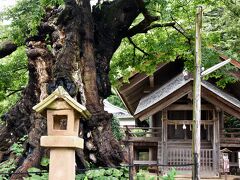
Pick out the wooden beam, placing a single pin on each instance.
(140, 85)
(134, 96)
(143, 139)
(218, 143)
(139, 162)
(219, 102)
(185, 107)
(151, 81)
(143, 145)
(230, 144)
(187, 122)
(131, 110)
(121, 97)
(136, 79)
(233, 61)
(131, 159)
(215, 67)
(164, 139)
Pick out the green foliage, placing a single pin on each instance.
(46, 3)
(221, 33)
(170, 175)
(33, 175)
(117, 133)
(104, 174)
(25, 18)
(223, 27)
(139, 132)
(17, 147)
(44, 161)
(11, 83)
(144, 175)
(115, 100)
(7, 167)
(231, 122)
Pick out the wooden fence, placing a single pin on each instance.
(178, 156)
(230, 137)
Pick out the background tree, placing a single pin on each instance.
(71, 43)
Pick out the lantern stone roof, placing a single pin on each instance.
(61, 93)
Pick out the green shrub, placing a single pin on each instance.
(104, 174)
(170, 175)
(7, 167)
(139, 132)
(116, 129)
(144, 175)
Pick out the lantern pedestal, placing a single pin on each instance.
(62, 164)
(62, 155)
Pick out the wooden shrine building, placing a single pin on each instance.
(162, 105)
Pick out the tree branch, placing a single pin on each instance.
(144, 27)
(145, 23)
(13, 91)
(6, 48)
(168, 24)
(135, 46)
(178, 30)
(181, 31)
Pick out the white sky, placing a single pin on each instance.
(6, 3)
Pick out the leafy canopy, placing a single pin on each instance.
(221, 35)
(13, 78)
(25, 19)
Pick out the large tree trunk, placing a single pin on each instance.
(83, 42)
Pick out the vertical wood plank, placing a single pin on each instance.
(131, 159)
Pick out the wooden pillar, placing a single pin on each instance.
(197, 98)
(150, 126)
(150, 135)
(221, 123)
(216, 142)
(164, 139)
(131, 159)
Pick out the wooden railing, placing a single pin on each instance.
(206, 160)
(181, 156)
(142, 131)
(231, 132)
(230, 136)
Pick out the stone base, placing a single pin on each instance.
(62, 164)
(62, 141)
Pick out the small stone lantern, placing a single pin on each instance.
(63, 113)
